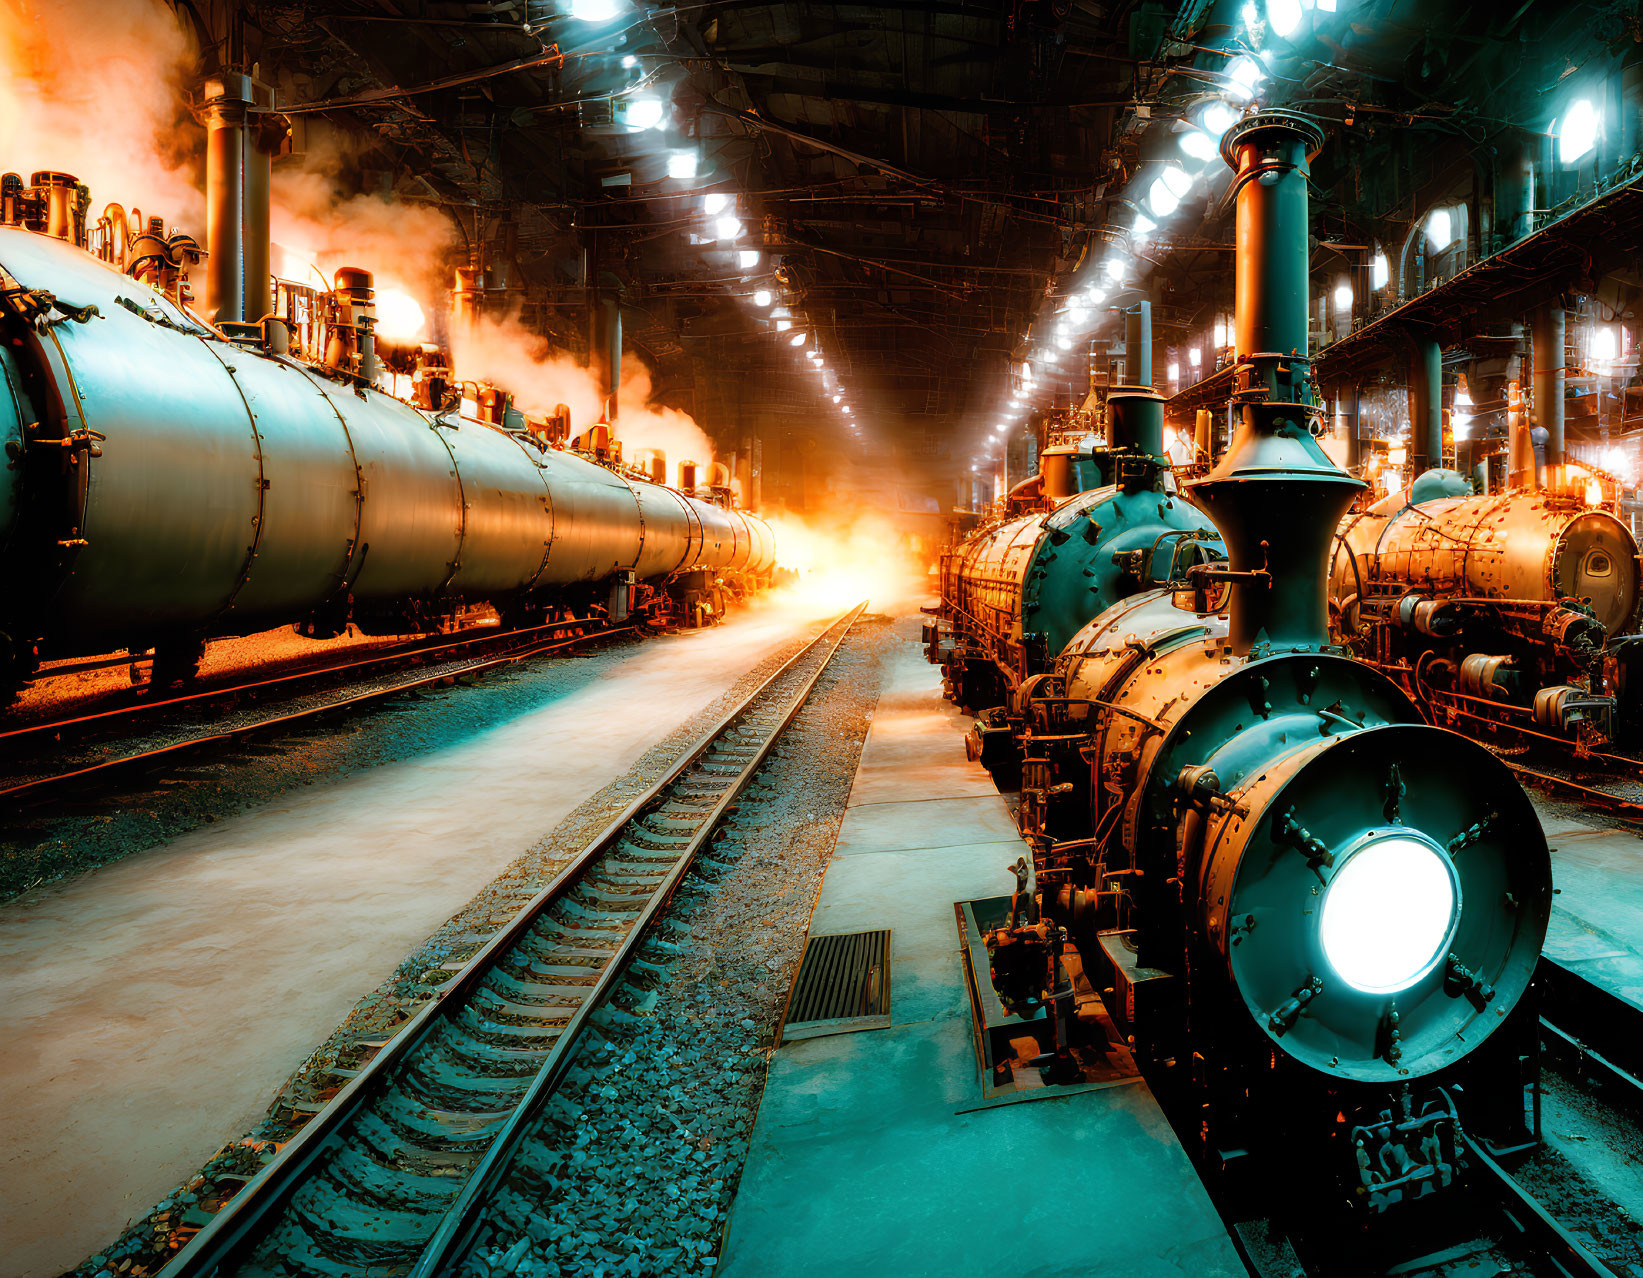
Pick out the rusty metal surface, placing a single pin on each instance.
(1513, 546)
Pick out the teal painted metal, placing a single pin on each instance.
(1138, 344)
(1426, 404)
(1033, 583)
(1275, 496)
(1135, 421)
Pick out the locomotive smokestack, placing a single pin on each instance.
(1138, 344)
(1275, 496)
(242, 137)
(1426, 406)
(1135, 423)
(1546, 335)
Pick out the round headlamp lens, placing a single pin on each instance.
(1388, 913)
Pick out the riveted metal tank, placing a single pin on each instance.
(266, 492)
(1045, 575)
(1319, 743)
(673, 531)
(761, 560)
(1523, 545)
(11, 442)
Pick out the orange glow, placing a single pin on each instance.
(842, 559)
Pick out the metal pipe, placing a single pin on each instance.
(61, 190)
(1425, 406)
(1276, 497)
(1546, 335)
(240, 144)
(1520, 458)
(1273, 249)
(1354, 442)
(1203, 437)
(613, 355)
(1138, 344)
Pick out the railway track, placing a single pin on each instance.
(37, 757)
(391, 1176)
(1588, 1034)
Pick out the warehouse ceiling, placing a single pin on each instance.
(914, 186)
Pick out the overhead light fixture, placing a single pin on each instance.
(1064, 343)
(1077, 314)
(1161, 200)
(1244, 75)
(1343, 298)
(643, 113)
(1283, 15)
(783, 325)
(593, 10)
(747, 259)
(837, 398)
(1115, 268)
(1217, 118)
(798, 339)
(681, 165)
(727, 228)
(1144, 226)
(1578, 135)
(762, 297)
(1176, 179)
(1197, 145)
(1440, 230)
(714, 203)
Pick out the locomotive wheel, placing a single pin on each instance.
(18, 662)
(176, 663)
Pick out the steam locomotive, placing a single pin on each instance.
(1106, 521)
(1314, 915)
(1514, 610)
(165, 484)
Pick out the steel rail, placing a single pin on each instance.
(341, 702)
(1537, 1231)
(1597, 797)
(403, 652)
(462, 1217)
(250, 1214)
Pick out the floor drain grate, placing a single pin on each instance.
(843, 985)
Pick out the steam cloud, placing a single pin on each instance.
(405, 246)
(505, 353)
(95, 88)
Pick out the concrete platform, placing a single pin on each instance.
(873, 1152)
(1597, 916)
(154, 1007)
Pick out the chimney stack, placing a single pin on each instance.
(1275, 496)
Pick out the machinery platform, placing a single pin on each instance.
(1597, 917)
(876, 1151)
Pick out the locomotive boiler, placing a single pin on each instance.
(1501, 611)
(1314, 915)
(1015, 592)
(165, 484)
